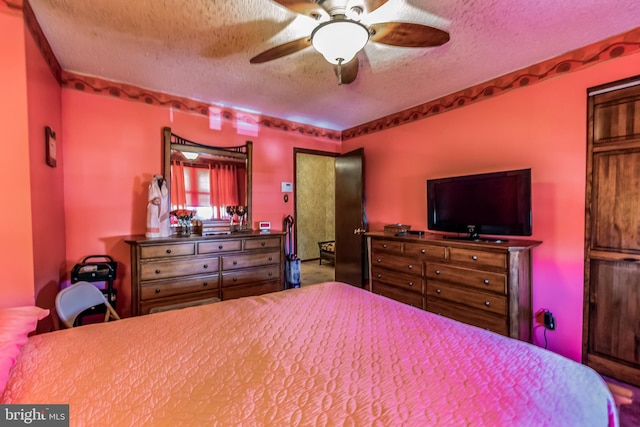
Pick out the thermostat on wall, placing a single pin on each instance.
(287, 187)
(264, 225)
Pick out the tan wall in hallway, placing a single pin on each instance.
(315, 202)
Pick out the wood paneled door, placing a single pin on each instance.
(611, 339)
(351, 222)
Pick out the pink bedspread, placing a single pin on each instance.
(326, 354)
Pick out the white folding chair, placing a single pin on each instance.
(81, 296)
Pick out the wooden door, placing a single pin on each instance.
(611, 339)
(350, 218)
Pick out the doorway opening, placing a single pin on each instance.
(314, 212)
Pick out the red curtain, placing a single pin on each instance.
(224, 187)
(178, 194)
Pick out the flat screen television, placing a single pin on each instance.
(496, 203)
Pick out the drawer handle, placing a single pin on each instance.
(205, 283)
(235, 262)
(235, 279)
(158, 271)
(487, 303)
(410, 267)
(206, 266)
(168, 251)
(410, 284)
(262, 243)
(474, 257)
(270, 274)
(270, 258)
(384, 246)
(157, 290)
(437, 271)
(438, 291)
(379, 275)
(378, 260)
(220, 246)
(422, 251)
(486, 281)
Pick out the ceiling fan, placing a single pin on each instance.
(340, 35)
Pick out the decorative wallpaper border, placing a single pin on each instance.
(613, 47)
(132, 93)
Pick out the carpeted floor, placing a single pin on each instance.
(311, 272)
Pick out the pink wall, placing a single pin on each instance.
(114, 147)
(542, 127)
(47, 196)
(16, 252)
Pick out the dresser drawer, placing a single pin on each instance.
(250, 290)
(407, 297)
(192, 298)
(216, 246)
(267, 243)
(397, 263)
(232, 262)
(483, 320)
(241, 277)
(386, 246)
(486, 280)
(168, 250)
(482, 301)
(161, 289)
(403, 281)
(477, 257)
(174, 268)
(429, 251)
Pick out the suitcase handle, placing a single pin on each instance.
(84, 260)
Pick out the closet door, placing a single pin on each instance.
(611, 339)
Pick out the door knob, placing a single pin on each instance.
(359, 231)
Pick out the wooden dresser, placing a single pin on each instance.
(484, 284)
(183, 270)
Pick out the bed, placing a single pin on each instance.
(326, 354)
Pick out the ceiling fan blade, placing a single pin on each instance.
(281, 50)
(407, 34)
(371, 5)
(304, 7)
(348, 72)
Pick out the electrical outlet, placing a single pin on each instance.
(549, 320)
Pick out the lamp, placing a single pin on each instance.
(190, 156)
(339, 40)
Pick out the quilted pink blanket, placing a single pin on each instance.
(326, 354)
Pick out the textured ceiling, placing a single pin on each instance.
(200, 49)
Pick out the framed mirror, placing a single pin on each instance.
(213, 182)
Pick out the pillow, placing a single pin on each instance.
(15, 325)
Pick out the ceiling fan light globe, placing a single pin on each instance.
(189, 155)
(339, 40)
